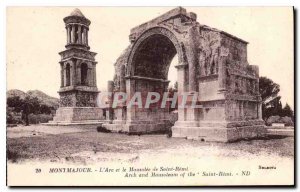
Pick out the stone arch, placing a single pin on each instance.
(207, 61)
(158, 33)
(148, 63)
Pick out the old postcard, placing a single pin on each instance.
(150, 96)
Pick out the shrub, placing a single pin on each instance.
(103, 129)
(287, 121)
(39, 118)
(13, 117)
(273, 119)
(12, 155)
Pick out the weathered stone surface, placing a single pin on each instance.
(78, 91)
(78, 114)
(211, 62)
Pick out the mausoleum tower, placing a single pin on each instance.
(78, 89)
(78, 65)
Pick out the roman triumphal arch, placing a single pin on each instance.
(212, 72)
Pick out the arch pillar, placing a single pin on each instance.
(192, 57)
(182, 70)
(139, 80)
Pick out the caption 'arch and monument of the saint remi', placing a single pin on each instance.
(212, 65)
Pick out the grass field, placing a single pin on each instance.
(83, 146)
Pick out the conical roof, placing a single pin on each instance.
(77, 12)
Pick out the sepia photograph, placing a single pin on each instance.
(150, 96)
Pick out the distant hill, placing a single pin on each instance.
(15, 92)
(42, 97)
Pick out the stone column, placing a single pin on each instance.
(189, 116)
(89, 76)
(73, 34)
(65, 74)
(94, 75)
(259, 110)
(256, 86)
(67, 30)
(192, 57)
(122, 79)
(73, 74)
(84, 36)
(79, 35)
(130, 91)
(78, 74)
(61, 75)
(68, 34)
(256, 81)
(242, 110)
(87, 37)
(222, 74)
(110, 89)
(256, 91)
(181, 77)
(181, 80)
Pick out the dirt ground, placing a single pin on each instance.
(78, 145)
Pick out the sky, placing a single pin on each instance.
(35, 35)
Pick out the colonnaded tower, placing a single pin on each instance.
(78, 90)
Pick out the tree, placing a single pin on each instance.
(287, 111)
(45, 109)
(15, 102)
(26, 106)
(30, 105)
(271, 104)
(268, 90)
(13, 107)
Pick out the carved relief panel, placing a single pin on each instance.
(208, 53)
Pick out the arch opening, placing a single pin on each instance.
(154, 62)
(153, 57)
(172, 74)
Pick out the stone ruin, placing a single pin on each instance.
(211, 63)
(78, 90)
